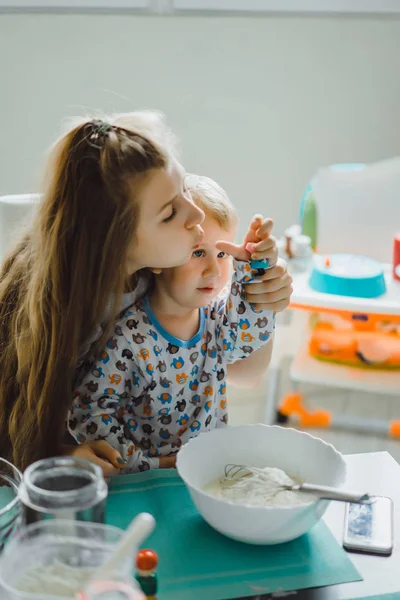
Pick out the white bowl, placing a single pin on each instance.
(301, 455)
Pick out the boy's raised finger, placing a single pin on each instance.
(256, 222)
(265, 228)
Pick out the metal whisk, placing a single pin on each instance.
(236, 478)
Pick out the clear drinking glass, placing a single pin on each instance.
(10, 506)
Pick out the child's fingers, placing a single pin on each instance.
(262, 246)
(271, 255)
(167, 462)
(103, 450)
(238, 252)
(106, 467)
(265, 228)
(256, 222)
(262, 286)
(86, 452)
(278, 306)
(116, 460)
(278, 271)
(268, 298)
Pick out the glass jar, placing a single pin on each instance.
(10, 505)
(54, 560)
(302, 254)
(64, 487)
(112, 590)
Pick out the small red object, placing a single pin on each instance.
(146, 560)
(396, 257)
(327, 262)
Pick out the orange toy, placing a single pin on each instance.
(293, 405)
(358, 340)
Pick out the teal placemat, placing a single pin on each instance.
(197, 563)
(394, 596)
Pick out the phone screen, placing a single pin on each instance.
(368, 527)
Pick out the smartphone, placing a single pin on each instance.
(369, 527)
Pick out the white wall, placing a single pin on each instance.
(259, 102)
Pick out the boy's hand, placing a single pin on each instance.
(167, 462)
(258, 243)
(102, 454)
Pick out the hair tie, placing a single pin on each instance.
(97, 132)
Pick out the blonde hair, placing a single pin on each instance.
(56, 285)
(212, 199)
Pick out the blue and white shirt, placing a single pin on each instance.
(150, 392)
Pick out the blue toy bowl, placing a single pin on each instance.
(348, 275)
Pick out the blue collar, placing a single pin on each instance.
(168, 336)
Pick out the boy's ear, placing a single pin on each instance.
(156, 271)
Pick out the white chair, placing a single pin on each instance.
(358, 212)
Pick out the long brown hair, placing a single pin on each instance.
(56, 285)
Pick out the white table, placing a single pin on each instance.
(387, 304)
(377, 473)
